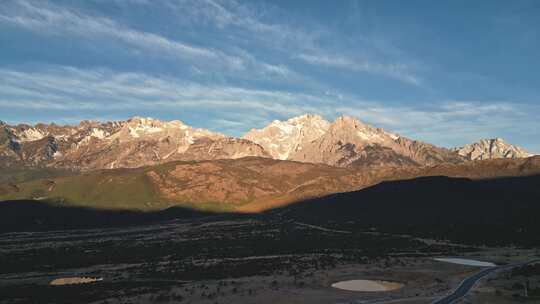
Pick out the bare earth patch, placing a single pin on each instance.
(74, 280)
(367, 285)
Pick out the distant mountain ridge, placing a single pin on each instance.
(490, 149)
(121, 144)
(136, 142)
(345, 142)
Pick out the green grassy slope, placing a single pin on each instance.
(19, 175)
(102, 189)
(112, 189)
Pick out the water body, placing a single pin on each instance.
(467, 262)
(367, 285)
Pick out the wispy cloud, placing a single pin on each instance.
(232, 15)
(451, 123)
(398, 71)
(51, 20)
(237, 109)
(290, 39)
(237, 23)
(47, 19)
(101, 90)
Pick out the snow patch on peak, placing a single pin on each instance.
(393, 136)
(306, 118)
(281, 138)
(177, 124)
(31, 134)
(151, 125)
(143, 120)
(133, 133)
(371, 137)
(283, 126)
(98, 133)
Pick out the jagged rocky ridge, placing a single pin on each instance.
(490, 149)
(123, 144)
(346, 142)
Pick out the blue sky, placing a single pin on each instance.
(446, 72)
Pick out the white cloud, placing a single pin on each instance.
(71, 88)
(245, 17)
(291, 39)
(49, 19)
(237, 109)
(55, 20)
(46, 19)
(397, 71)
(451, 123)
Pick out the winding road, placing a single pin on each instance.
(464, 287)
(469, 282)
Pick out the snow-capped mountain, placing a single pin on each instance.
(138, 128)
(342, 139)
(132, 143)
(490, 149)
(344, 142)
(282, 138)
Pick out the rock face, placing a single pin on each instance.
(345, 142)
(283, 138)
(8, 147)
(491, 149)
(122, 144)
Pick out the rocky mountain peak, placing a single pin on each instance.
(144, 121)
(355, 131)
(490, 149)
(151, 125)
(307, 118)
(349, 121)
(89, 124)
(139, 128)
(135, 142)
(26, 133)
(140, 141)
(300, 122)
(281, 138)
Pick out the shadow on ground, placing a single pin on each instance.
(492, 211)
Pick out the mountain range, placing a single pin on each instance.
(121, 144)
(137, 142)
(147, 164)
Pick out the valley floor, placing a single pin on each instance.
(231, 260)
